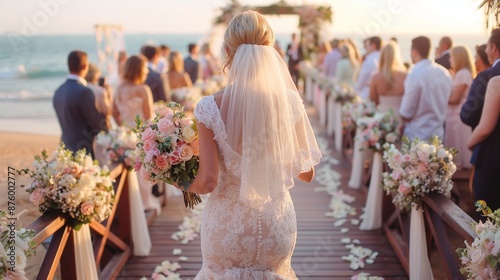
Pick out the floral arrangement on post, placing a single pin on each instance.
(120, 143)
(168, 150)
(481, 259)
(17, 246)
(358, 108)
(188, 97)
(71, 183)
(377, 130)
(419, 168)
(344, 93)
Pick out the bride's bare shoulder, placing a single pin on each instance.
(218, 97)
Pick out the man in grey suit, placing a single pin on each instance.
(191, 64)
(75, 107)
(156, 81)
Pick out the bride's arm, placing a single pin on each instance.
(208, 174)
(307, 176)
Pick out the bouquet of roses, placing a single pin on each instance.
(481, 259)
(168, 151)
(16, 246)
(377, 130)
(419, 168)
(119, 143)
(71, 183)
(358, 108)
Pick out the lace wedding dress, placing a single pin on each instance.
(238, 241)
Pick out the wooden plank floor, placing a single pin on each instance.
(319, 250)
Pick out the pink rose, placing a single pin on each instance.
(185, 152)
(168, 113)
(174, 158)
(148, 134)
(195, 145)
(404, 188)
(162, 162)
(137, 166)
(166, 126)
(397, 159)
(37, 197)
(406, 158)
(186, 122)
(87, 207)
(149, 145)
(422, 168)
(396, 175)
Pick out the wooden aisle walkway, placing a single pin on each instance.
(319, 250)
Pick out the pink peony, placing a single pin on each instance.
(185, 152)
(149, 145)
(36, 197)
(87, 207)
(195, 145)
(162, 162)
(148, 135)
(137, 166)
(174, 158)
(404, 188)
(166, 126)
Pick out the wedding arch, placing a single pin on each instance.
(110, 41)
(313, 19)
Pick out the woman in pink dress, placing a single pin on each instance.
(456, 132)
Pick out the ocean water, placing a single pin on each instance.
(31, 71)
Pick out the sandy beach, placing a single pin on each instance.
(17, 150)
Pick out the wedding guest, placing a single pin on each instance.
(191, 63)
(177, 78)
(324, 49)
(369, 66)
(387, 85)
(347, 66)
(75, 107)
(279, 49)
(122, 57)
(485, 141)
(294, 53)
(103, 100)
(133, 97)
(155, 80)
(331, 59)
(357, 55)
(163, 59)
(427, 89)
(443, 52)
(481, 60)
(456, 132)
(208, 62)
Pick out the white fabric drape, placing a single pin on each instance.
(357, 164)
(337, 111)
(140, 232)
(84, 254)
(420, 267)
(373, 206)
(330, 124)
(309, 89)
(322, 107)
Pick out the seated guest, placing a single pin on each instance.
(427, 91)
(177, 78)
(155, 80)
(443, 52)
(75, 107)
(387, 85)
(102, 95)
(457, 133)
(481, 61)
(347, 66)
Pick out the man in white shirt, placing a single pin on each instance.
(369, 66)
(427, 91)
(331, 59)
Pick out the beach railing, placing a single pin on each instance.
(111, 239)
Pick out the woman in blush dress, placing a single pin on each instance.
(132, 98)
(347, 66)
(255, 137)
(387, 85)
(456, 132)
(177, 78)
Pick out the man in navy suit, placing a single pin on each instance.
(156, 82)
(191, 64)
(485, 155)
(443, 52)
(74, 104)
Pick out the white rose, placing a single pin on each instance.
(188, 134)
(441, 153)
(20, 259)
(391, 137)
(477, 256)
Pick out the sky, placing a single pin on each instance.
(365, 17)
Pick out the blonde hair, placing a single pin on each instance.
(133, 70)
(248, 27)
(175, 62)
(462, 58)
(93, 74)
(349, 53)
(390, 62)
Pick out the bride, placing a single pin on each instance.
(255, 136)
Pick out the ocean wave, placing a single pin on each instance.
(20, 72)
(25, 96)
